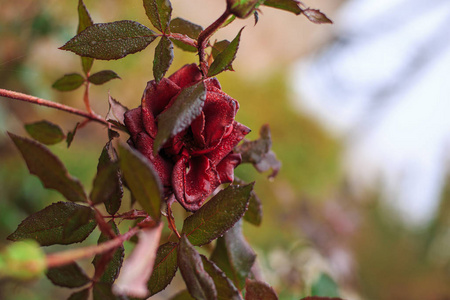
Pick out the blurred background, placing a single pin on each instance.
(359, 118)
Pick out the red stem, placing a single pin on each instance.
(27, 98)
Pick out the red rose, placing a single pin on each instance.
(193, 163)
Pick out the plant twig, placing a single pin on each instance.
(69, 256)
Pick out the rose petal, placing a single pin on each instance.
(197, 128)
(226, 167)
(187, 75)
(133, 122)
(212, 82)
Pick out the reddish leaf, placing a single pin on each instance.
(225, 58)
(138, 267)
(47, 226)
(50, 170)
(198, 282)
(234, 255)
(107, 266)
(70, 276)
(102, 77)
(165, 267)
(81, 295)
(316, 16)
(258, 290)
(45, 132)
(163, 58)
(159, 13)
(225, 288)
(187, 106)
(287, 5)
(84, 21)
(68, 82)
(182, 26)
(107, 185)
(218, 215)
(111, 40)
(142, 180)
(71, 135)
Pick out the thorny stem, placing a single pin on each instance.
(27, 98)
(69, 256)
(204, 36)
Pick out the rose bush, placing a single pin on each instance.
(194, 162)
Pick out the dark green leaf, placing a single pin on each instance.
(77, 220)
(225, 288)
(81, 295)
(86, 63)
(159, 13)
(325, 286)
(106, 185)
(316, 16)
(111, 40)
(71, 135)
(187, 106)
(225, 58)
(198, 282)
(84, 19)
(258, 290)
(50, 170)
(254, 212)
(116, 112)
(218, 47)
(165, 267)
(45, 132)
(114, 200)
(243, 8)
(142, 180)
(102, 77)
(183, 295)
(163, 58)
(69, 82)
(218, 215)
(287, 5)
(107, 265)
(103, 291)
(234, 255)
(182, 26)
(71, 276)
(47, 226)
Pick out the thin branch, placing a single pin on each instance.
(35, 100)
(69, 256)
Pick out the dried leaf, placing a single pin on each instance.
(102, 77)
(50, 170)
(47, 226)
(159, 13)
(258, 290)
(165, 267)
(187, 106)
(116, 112)
(225, 58)
(70, 276)
(218, 215)
(111, 40)
(316, 16)
(69, 82)
(45, 132)
(163, 58)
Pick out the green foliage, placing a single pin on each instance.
(69, 82)
(163, 58)
(224, 287)
(225, 58)
(102, 77)
(182, 26)
(70, 276)
(81, 295)
(254, 212)
(45, 132)
(166, 266)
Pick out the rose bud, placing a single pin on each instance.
(193, 163)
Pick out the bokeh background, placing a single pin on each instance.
(347, 215)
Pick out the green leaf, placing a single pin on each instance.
(70, 276)
(234, 255)
(71, 135)
(198, 282)
(243, 8)
(225, 288)
(316, 16)
(142, 180)
(182, 26)
(111, 40)
(68, 82)
(218, 215)
(254, 212)
(77, 220)
(102, 77)
(187, 106)
(165, 267)
(47, 226)
(163, 58)
(159, 13)
(258, 290)
(103, 291)
(24, 261)
(324, 286)
(108, 269)
(218, 47)
(112, 197)
(287, 5)
(84, 21)
(225, 58)
(81, 295)
(45, 132)
(50, 170)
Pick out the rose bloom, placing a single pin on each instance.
(193, 163)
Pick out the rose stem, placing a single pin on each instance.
(86, 97)
(69, 256)
(204, 36)
(27, 98)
